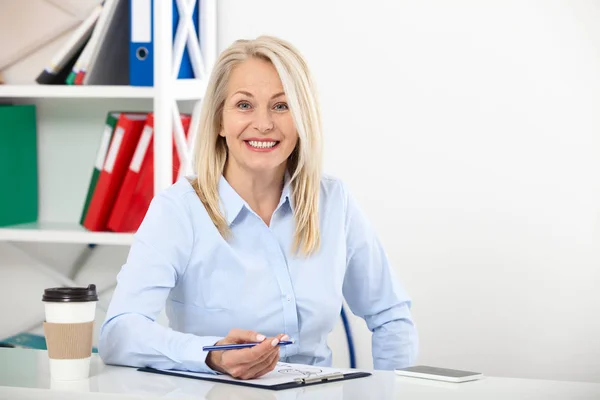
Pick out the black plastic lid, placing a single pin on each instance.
(70, 294)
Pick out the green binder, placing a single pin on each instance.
(109, 128)
(71, 78)
(18, 165)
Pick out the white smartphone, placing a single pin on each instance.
(439, 374)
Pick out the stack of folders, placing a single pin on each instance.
(114, 46)
(122, 182)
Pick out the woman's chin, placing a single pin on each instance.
(263, 167)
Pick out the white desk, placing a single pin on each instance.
(24, 375)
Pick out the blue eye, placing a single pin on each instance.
(281, 107)
(243, 105)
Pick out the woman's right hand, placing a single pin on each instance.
(246, 363)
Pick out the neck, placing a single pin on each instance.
(261, 191)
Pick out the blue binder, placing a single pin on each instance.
(141, 44)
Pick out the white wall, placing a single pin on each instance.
(470, 133)
(477, 144)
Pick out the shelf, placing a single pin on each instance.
(64, 91)
(48, 232)
(188, 89)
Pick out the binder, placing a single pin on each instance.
(141, 43)
(137, 189)
(108, 62)
(124, 141)
(294, 382)
(120, 216)
(109, 127)
(72, 48)
(57, 75)
(18, 164)
(98, 33)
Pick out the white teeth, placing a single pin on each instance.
(262, 145)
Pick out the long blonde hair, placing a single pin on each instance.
(304, 164)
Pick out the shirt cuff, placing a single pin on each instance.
(195, 357)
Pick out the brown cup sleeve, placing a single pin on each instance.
(69, 341)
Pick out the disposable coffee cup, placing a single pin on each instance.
(70, 314)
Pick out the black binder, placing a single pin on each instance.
(297, 383)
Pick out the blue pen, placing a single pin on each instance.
(220, 347)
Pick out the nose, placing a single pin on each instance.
(263, 121)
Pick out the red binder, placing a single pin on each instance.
(137, 190)
(122, 146)
(79, 78)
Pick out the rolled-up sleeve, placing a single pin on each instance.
(374, 293)
(160, 253)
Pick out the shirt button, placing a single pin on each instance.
(288, 298)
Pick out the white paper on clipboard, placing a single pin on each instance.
(283, 373)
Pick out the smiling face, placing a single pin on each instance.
(257, 123)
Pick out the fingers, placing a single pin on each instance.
(264, 347)
(264, 356)
(252, 355)
(251, 362)
(267, 363)
(259, 369)
(268, 366)
(267, 353)
(244, 336)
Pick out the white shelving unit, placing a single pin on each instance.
(184, 89)
(70, 121)
(56, 232)
(71, 118)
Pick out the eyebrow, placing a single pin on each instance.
(250, 94)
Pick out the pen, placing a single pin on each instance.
(219, 347)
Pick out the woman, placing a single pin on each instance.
(258, 244)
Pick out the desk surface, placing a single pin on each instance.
(24, 374)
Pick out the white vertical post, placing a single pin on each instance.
(163, 94)
(208, 33)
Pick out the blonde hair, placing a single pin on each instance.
(304, 164)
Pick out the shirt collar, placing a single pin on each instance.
(286, 193)
(232, 203)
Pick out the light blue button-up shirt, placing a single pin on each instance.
(252, 281)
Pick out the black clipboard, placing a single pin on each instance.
(297, 383)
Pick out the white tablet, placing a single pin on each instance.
(439, 374)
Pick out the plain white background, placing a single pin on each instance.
(469, 132)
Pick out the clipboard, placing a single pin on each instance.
(294, 383)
